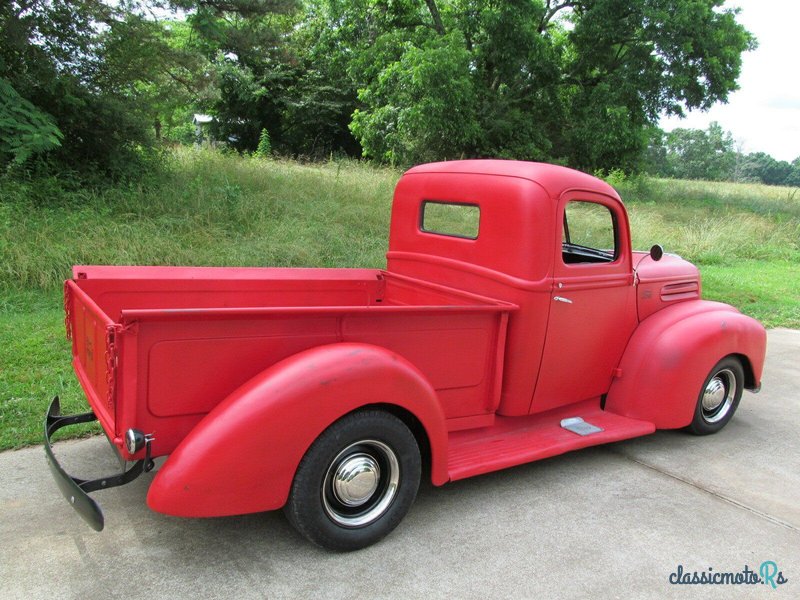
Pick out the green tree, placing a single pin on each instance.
(698, 154)
(760, 166)
(570, 81)
(264, 145)
(52, 54)
(107, 73)
(247, 44)
(321, 99)
(159, 67)
(579, 82)
(632, 61)
(654, 160)
(794, 177)
(421, 107)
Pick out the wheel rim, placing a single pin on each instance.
(360, 483)
(718, 396)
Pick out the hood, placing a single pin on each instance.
(664, 282)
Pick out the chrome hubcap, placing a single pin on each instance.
(356, 479)
(714, 394)
(360, 483)
(718, 396)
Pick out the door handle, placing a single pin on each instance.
(562, 299)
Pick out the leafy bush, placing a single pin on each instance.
(24, 129)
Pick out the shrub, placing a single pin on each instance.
(264, 145)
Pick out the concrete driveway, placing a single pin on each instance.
(607, 522)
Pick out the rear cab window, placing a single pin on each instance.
(451, 219)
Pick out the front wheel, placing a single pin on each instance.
(356, 482)
(719, 397)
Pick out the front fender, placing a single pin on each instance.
(672, 352)
(242, 456)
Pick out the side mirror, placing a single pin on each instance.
(656, 252)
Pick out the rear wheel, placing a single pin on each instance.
(356, 482)
(719, 397)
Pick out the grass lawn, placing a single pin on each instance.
(34, 367)
(768, 291)
(213, 209)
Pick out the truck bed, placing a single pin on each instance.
(158, 347)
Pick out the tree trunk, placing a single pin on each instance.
(437, 18)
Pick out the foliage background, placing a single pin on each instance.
(575, 82)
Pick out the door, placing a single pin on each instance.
(593, 302)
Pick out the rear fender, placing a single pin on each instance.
(242, 456)
(672, 352)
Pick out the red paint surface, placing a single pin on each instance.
(235, 371)
(242, 456)
(672, 352)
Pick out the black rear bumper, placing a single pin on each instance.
(76, 490)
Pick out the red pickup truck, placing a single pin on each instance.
(512, 323)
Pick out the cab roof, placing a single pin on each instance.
(554, 179)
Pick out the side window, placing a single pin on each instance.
(588, 234)
(449, 218)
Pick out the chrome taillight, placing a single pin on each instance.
(134, 440)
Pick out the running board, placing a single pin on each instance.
(517, 440)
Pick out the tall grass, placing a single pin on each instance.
(206, 208)
(749, 197)
(721, 238)
(714, 222)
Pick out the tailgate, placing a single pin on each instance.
(94, 353)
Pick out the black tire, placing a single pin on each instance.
(356, 482)
(719, 397)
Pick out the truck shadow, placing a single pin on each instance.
(587, 476)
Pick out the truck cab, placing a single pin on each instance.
(512, 322)
(552, 241)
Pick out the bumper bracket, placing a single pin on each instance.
(77, 490)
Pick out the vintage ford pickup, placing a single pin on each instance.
(512, 323)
